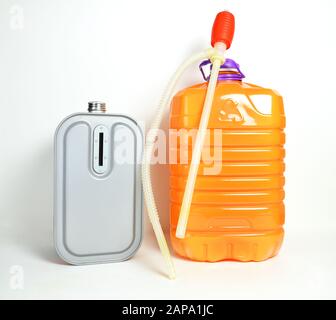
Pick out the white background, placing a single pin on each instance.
(57, 55)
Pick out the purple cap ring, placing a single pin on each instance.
(229, 65)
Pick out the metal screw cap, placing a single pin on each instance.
(97, 106)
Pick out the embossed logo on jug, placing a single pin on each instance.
(230, 112)
(233, 108)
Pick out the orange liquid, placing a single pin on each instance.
(238, 213)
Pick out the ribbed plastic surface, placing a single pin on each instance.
(238, 213)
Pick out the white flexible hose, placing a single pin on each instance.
(217, 60)
(150, 140)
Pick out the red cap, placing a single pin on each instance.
(223, 28)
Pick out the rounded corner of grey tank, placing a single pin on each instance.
(133, 250)
(63, 254)
(136, 124)
(63, 122)
(62, 250)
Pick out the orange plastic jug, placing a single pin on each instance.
(238, 212)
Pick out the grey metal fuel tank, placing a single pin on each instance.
(98, 200)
